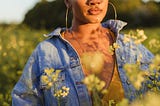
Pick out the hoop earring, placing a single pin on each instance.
(114, 8)
(67, 18)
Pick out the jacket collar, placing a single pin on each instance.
(113, 25)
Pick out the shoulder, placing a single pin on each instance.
(132, 51)
(114, 25)
(48, 53)
(49, 46)
(52, 40)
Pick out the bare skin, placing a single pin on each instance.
(87, 35)
(87, 16)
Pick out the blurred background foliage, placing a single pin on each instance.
(16, 45)
(18, 41)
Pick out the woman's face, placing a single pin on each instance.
(88, 11)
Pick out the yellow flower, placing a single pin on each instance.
(58, 93)
(44, 79)
(50, 84)
(154, 43)
(49, 71)
(55, 75)
(115, 45)
(93, 61)
(140, 32)
(124, 102)
(100, 85)
(0, 47)
(111, 50)
(138, 36)
(21, 43)
(4, 54)
(93, 82)
(135, 74)
(150, 99)
(105, 91)
(155, 63)
(63, 92)
(140, 78)
(65, 88)
(126, 38)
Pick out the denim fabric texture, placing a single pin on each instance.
(57, 53)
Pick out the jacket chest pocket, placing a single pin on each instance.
(52, 80)
(54, 86)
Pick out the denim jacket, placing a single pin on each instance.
(57, 53)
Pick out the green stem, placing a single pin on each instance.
(96, 99)
(155, 82)
(58, 101)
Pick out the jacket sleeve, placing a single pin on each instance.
(27, 91)
(147, 59)
(145, 56)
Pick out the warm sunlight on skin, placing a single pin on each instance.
(87, 11)
(87, 16)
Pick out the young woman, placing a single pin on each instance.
(63, 50)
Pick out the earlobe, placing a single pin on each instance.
(67, 3)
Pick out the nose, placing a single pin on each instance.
(94, 2)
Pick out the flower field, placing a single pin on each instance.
(18, 42)
(16, 45)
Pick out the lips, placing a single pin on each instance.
(94, 11)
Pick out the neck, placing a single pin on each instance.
(85, 31)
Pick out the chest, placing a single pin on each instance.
(95, 55)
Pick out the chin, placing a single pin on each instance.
(95, 20)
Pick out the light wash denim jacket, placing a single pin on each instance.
(57, 53)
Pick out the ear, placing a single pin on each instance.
(67, 3)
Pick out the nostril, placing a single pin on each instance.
(91, 3)
(94, 2)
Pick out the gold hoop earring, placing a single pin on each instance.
(67, 18)
(114, 8)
